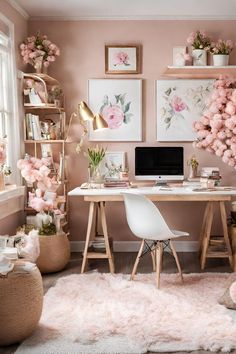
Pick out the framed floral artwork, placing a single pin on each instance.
(178, 104)
(120, 104)
(112, 164)
(122, 59)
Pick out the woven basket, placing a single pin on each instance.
(21, 301)
(233, 242)
(54, 253)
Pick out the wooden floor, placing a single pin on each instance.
(123, 264)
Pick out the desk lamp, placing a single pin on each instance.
(84, 114)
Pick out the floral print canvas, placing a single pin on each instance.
(179, 104)
(120, 104)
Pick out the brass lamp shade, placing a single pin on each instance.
(85, 112)
(99, 122)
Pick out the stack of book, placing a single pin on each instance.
(210, 175)
(33, 131)
(116, 184)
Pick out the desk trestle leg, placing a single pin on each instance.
(214, 247)
(100, 212)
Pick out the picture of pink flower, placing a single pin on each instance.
(113, 115)
(116, 113)
(121, 58)
(177, 104)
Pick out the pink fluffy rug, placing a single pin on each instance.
(104, 313)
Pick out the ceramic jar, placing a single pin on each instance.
(199, 57)
(220, 60)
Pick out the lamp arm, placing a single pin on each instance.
(85, 130)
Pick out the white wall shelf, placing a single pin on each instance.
(199, 72)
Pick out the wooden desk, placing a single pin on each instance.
(98, 197)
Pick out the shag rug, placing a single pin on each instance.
(104, 313)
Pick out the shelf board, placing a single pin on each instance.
(199, 72)
(45, 108)
(44, 141)
(48, 79)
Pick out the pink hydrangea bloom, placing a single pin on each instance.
(113, 115)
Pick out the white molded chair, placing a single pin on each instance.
(147, 223)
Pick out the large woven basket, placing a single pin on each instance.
(233, 241)
(54, 253)
(21, 301)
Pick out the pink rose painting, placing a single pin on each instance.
(121, 58)
(116, 113)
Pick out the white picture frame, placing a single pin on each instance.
(119, 101)
(178, 104)
(112, 164)
(178, 55)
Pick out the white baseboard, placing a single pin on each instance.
(133, 246)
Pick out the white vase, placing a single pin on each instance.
(220, 60)
(199, 57)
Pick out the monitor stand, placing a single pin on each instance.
(161, 183)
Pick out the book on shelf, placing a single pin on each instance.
(33, 130)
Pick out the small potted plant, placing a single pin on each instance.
(221, 51)
(193, 166)
(95, 157)
(200, 43)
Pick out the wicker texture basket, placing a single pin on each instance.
(54, 253)
(233, 241)
(21, 301)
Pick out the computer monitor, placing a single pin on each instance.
(161, 164)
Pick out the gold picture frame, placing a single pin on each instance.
(122, 59)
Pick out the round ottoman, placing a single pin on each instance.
(21, 302)
(54, 253)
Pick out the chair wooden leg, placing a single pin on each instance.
(176, 259)
(137, 260)
(153, 254)
(159, 253)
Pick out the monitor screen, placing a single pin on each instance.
(159, 163)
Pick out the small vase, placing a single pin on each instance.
(38, 67)
(199, 57)
(2, 181)
(220, 60)
(94, 174)
(192, 172)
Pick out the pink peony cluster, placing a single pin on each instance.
(38, 201)
(216, 129)
(39, 49)
(121, 58)
(222, 47)
(37, 171)
(113, 115)
(199, 40)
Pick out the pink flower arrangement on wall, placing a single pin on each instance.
(39, 50)
(216, 129)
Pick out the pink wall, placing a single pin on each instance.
(82, 58)
(8, 225)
